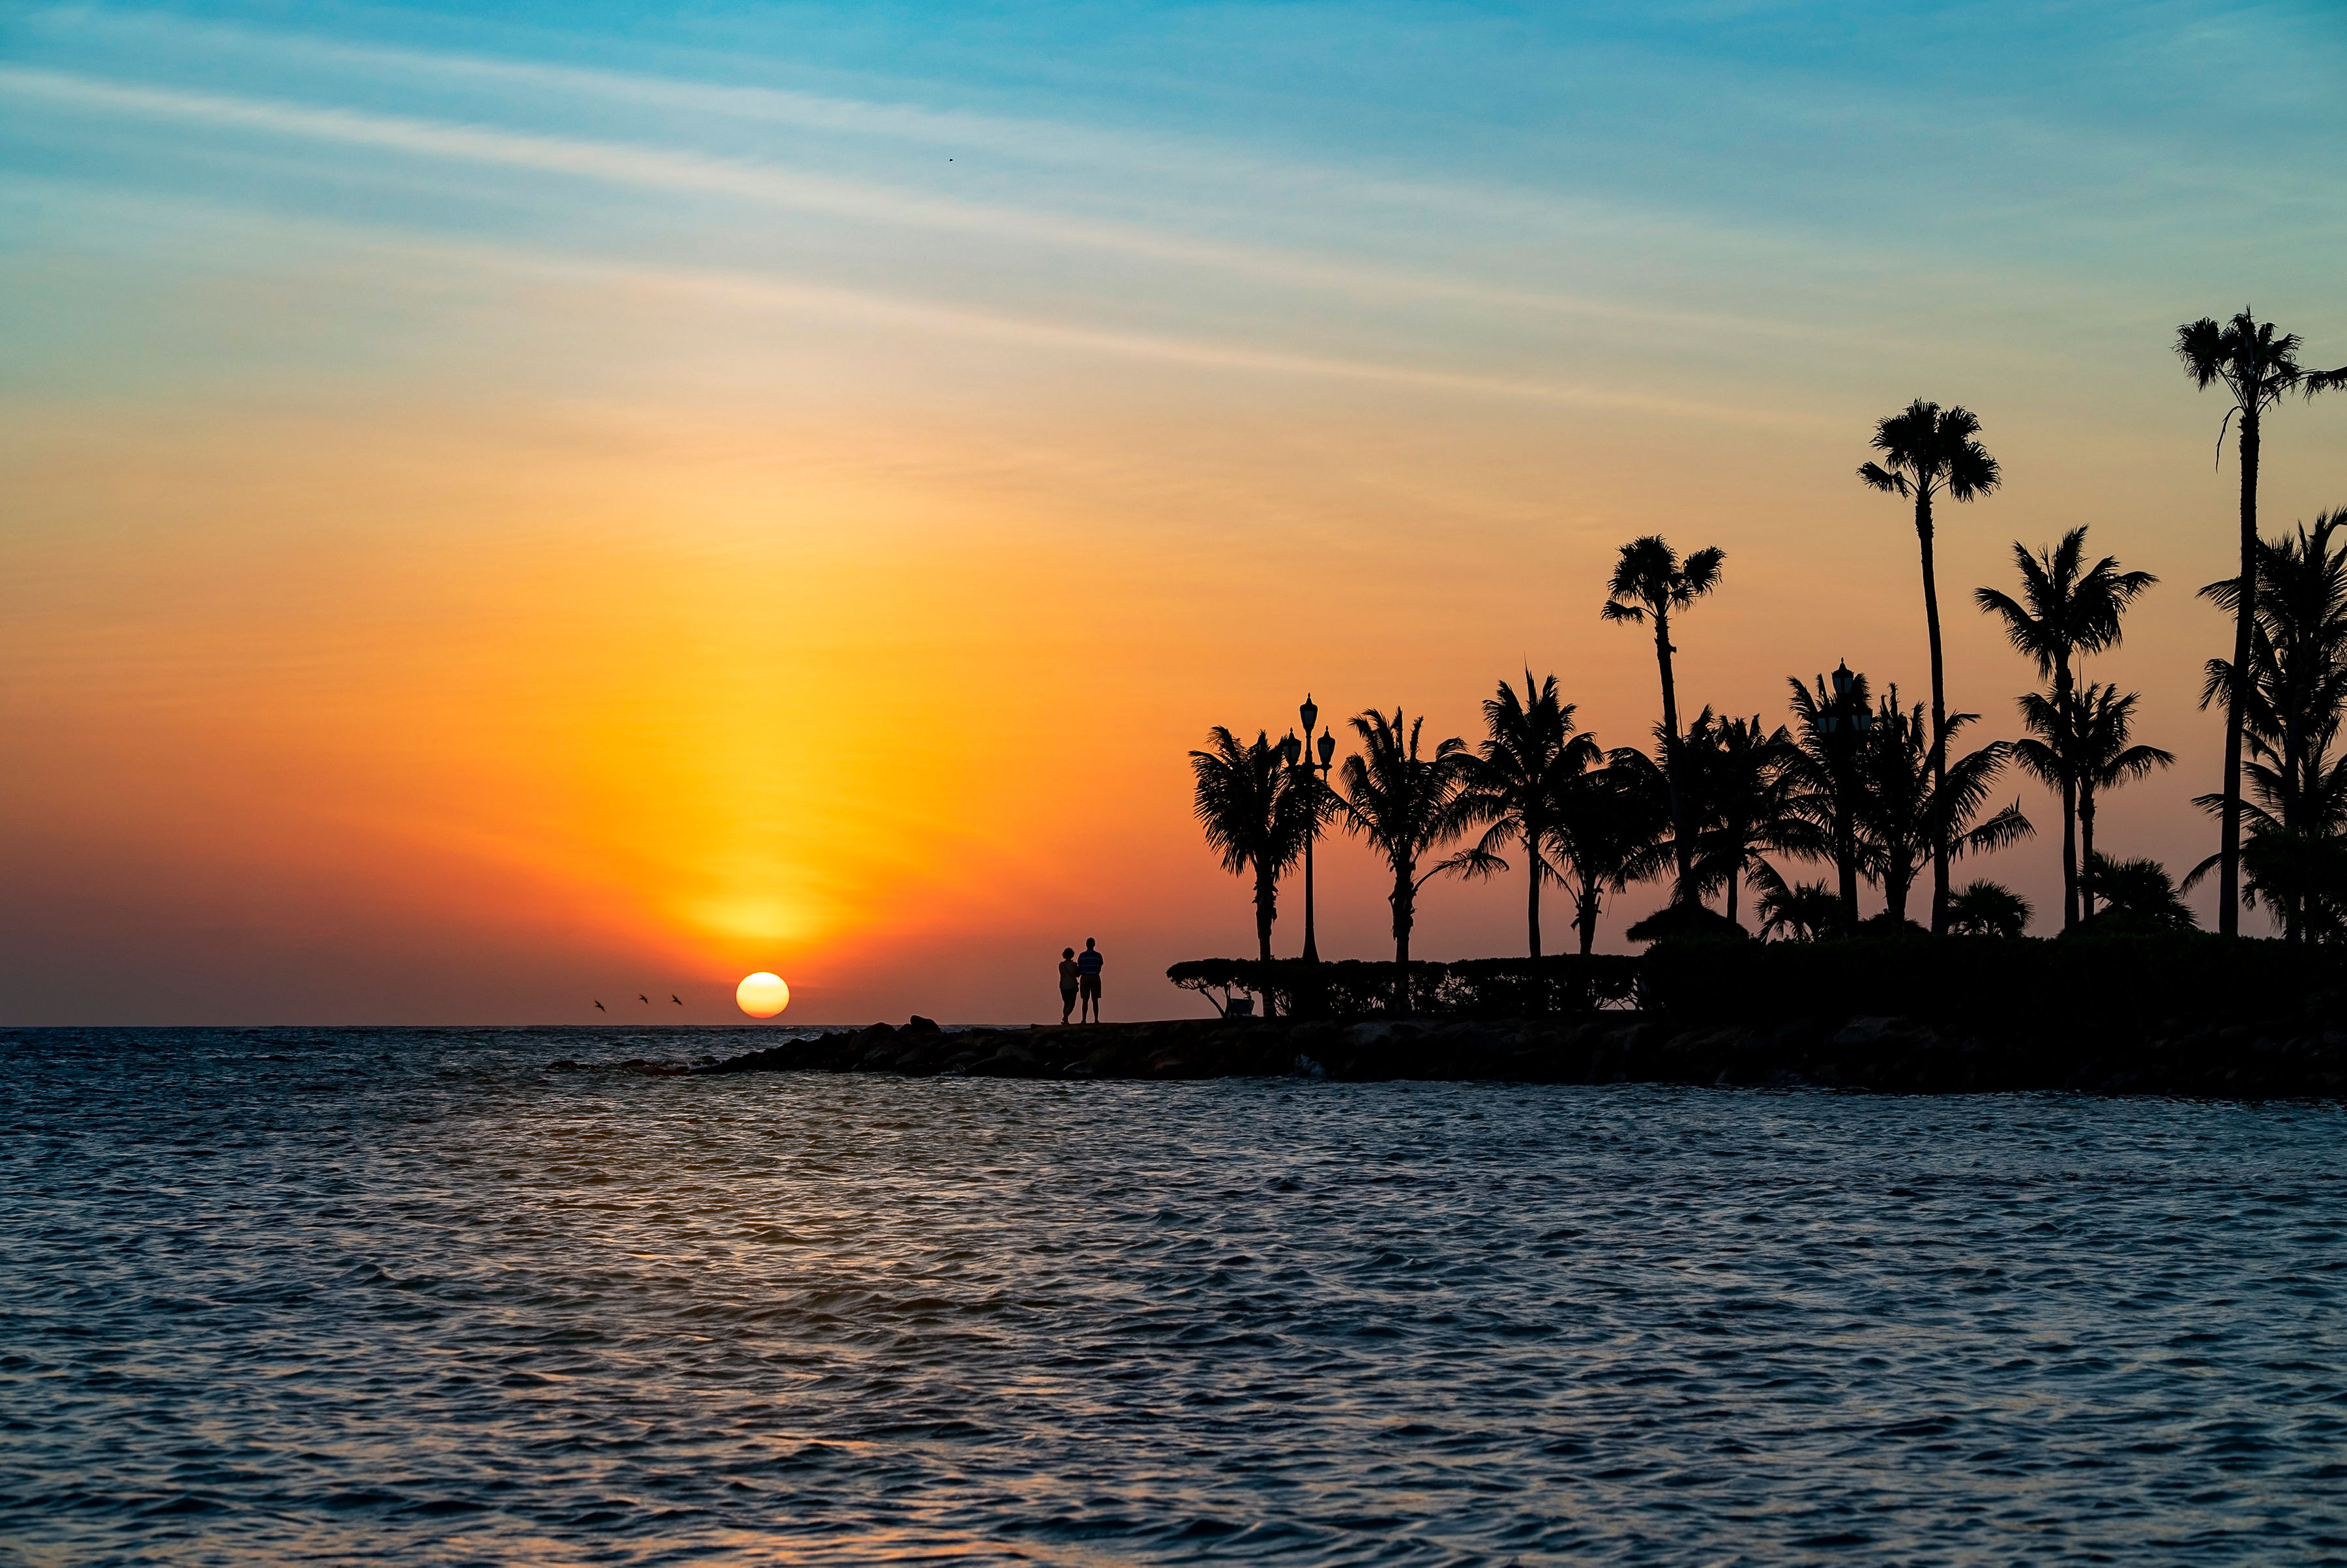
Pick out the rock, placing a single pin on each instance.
(920, 1025)
(1863, 1031)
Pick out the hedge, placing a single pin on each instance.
(2080, 982)
(2062, 983)
(1470, 987)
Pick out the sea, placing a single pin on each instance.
(277, 1296)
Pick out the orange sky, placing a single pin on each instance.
(412, 623)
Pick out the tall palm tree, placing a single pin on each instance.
(1830, 727)
(1257, 816)
(1746, 802)
(2297, 694)
(2297, 687)
(2105, 759)
(2258, 366)
(1649, 582)
(1906, 814)
(1929, 451)
(1608, 835)
(2065, 608)
(1519, 783)
(1407, 806)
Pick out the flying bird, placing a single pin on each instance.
(600, 1008)
(677, 999)
(643, 999)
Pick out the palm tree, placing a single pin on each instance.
(1906, 814)
(2258, 367)
(1747, 800)
(1799, 911)
(1829, 750)
(2136, 894)
(2297, 692)
(1608, 835)
(1407, 806)
(2102, 730)
(2303, 875)
(2065, 608)
(1928, 451)
(1519, 783)
(1987, 909)
(1649, 582)
(1257, 816)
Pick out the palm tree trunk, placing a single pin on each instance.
(1681, 848)
(1735, 877)
(2086, 849)
(1939, 716)
(1894, 897)
(1585, 919)
(1846, 862)
(2229, 842)
(2072, 857)
(1531, 899)
(2065, 736)
(1266, 895)
(1404, 916)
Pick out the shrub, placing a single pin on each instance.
(1471, 988)
(2081, 981)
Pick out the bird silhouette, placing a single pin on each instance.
(600, 1008)
(677, 999)
(643, 999)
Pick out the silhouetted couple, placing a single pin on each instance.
(1079, 981)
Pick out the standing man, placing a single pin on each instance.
(1067, 982)
(1088, 987)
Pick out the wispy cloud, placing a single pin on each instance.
(295, 242)
(774, 185)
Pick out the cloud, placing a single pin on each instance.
(770, 184)
(755, 293)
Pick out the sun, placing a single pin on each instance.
(761, 995)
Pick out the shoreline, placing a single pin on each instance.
(1884, 1055)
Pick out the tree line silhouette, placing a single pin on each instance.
(1860, 782)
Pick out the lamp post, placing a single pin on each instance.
(1306, 751)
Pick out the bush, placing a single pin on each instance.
(1471, 988)
(1995, 984)
(2082, 981)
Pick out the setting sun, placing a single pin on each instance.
(761, 995)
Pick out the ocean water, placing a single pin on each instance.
(278, 1296)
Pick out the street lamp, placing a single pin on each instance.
(1326, 750)
(1860, 719)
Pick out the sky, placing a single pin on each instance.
(511, 507)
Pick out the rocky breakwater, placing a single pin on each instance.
(1887, 1054)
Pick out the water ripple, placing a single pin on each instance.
(315, 1295)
